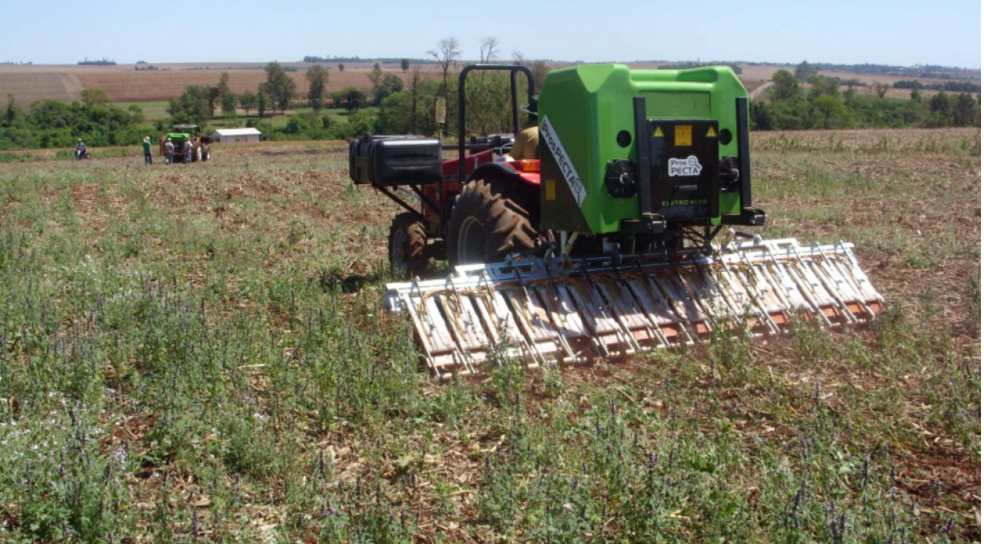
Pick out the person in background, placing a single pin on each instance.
(80, 150)
(168, 151)
(187, 151)
(148, 158)
(528, 140)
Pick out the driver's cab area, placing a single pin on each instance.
(499, 144)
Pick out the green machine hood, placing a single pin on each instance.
(589, 122)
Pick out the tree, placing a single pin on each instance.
(539, 68)
(881, 89)
(317, 79)
(963, 110)
(247, 100)
(341, 67)
(805, 72)
(227, 96)
(822, 86)
(446, 55)
(390, 84)
(405, 65)
(415, 81)
(849, 92)
(191, 107)
(830, 112)
(94, 97)
(784, 86)
(376, 76)
(279, 86)
(349, 98)
(262, 101)
(915, 95)
(12, 111)
(488, 49)
(211, 95)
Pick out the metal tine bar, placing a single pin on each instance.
(415, 317)
(542, 321)
(434, 306)
(654, 332)
(823, 274)
(740, 311)
(631, 345)
(805, 294)
(678, 305)
(459, 332)
(863, 282)
(798, 272)
(508, 319)
(527, 326)
(554, 315)
(464, 360)
(833, 263)
(570, 294)
(422, 331)
(595, 313)
(807, 267)
(849, 265)
(646, 280)
(619, 311)
(751, 287)
(491, 308)
(704, 298)
(844, 276)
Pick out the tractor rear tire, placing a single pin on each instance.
(489, 221)
(206, 153)
(407, 242)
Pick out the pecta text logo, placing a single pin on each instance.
(685, 167)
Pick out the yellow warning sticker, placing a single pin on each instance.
(683, 136)
(658, 133)
(711, 133)
(551, 189)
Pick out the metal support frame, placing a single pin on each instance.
(555, 312)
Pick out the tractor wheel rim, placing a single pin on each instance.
(471, 242)
(398, 253)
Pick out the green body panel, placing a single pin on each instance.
(587, 106)
(178, 137)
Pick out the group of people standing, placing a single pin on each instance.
(169, 149)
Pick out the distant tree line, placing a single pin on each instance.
(384, 60)
(52, 124)
(824, 106)
(685, 65)
(100, 62)
(927, 71)
(953, 86)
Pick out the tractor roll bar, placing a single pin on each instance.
(512, 69)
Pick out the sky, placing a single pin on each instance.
(899, 32)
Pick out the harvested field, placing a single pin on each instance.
(123, 84)
(30, 86)
(157, 86)
(63, 82)
(198, 352)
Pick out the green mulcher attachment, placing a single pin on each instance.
(639, 171)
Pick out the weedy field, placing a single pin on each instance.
(197, 353)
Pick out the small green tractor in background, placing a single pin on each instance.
(201, 150)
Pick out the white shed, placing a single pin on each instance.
(235, 135)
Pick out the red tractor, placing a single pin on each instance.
(492, 215)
